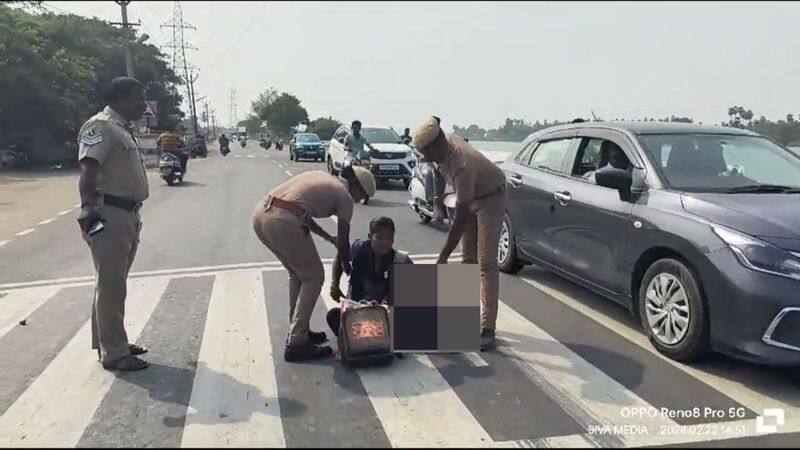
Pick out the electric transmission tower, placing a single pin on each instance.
(179, 63)
(233, 114)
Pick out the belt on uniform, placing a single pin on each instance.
(122, 203)
(492, 193)
(292, 207)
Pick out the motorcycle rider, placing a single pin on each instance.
(223, 144)
(200, 145)
(172, 143)
(406, 137)
(354, 142)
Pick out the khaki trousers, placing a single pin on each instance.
(479, 246)
(113, 251)
(286, 236)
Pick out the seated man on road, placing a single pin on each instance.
(172, 143)
(613, 156)
(372, 262)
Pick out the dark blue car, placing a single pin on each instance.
(307, 146)
(695, 229)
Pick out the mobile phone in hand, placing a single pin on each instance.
(97, 227)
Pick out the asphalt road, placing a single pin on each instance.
(211, 303)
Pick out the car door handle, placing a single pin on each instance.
(515, 180)
(563, 197)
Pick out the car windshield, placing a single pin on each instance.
(304, 138)
(723, 163)
(381, 136)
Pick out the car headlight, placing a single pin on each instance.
(759, 255)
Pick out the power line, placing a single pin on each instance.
(240, 36)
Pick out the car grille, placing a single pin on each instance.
(388, 155)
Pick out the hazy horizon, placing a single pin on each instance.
(396, 63)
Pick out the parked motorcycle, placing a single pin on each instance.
(170, 167)
(422, 195)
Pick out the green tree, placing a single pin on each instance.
(324, 127)
(253, 124)
(283, 113)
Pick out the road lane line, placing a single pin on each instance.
(335, 220)
(24, 232)
(251, 156)
(585, 392)
(46, 221)
(76, 206)
(783, 393)
(2, 243)
(235, 391)
(65, 212)
(18, 305)
(288, 173)
(56, 408)
(410, 397)
(476, 359)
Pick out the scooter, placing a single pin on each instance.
(422, 199)
(170, 167)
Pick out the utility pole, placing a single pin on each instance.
(123, 4)
(208, 118)
(214, 122)
(233, 116)
(179, 63)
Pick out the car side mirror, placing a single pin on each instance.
(614, 178)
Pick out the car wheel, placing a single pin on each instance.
(291, 156)
(331, 170)
(507, 249)
(425, 219)
(366, 199)
(673, 312)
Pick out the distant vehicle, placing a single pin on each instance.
(241, 133)
(695, 229)
(306, 145)
(392, 161)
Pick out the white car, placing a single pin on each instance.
(392, 161)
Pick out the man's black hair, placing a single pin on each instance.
(381, 223)
(122, 87)
(355, 122)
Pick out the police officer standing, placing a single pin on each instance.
(283, 222)
(113, 185)
(480, 205)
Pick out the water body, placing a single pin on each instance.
(497, 151)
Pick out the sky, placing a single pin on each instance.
(396, 63)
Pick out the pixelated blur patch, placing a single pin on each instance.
(436, 308)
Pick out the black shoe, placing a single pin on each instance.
(317, 337)
(306, 352)
(488, 341)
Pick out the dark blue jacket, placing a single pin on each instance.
(366, 285)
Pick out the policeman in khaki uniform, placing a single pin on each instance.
(113, 185)
(283, 222)
(480, 205)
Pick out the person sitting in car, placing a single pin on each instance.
(611, 155)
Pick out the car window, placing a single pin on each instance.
(550, 155)
(525, 155)
(595, 153)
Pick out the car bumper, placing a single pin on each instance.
(391, 169)
(754, 316)
(308, 153)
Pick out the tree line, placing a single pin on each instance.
(280, 114)
(53, 71)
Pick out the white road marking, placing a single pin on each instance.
(24, 232)
(411, 395)
(65, 212)
(45, 222)
(58, 406)
(335, 219)
(476, 359)
(2, 243)
(235, 377)
(251, 156)
(782, 393)
(585, 392)
(288, 173)
(18, 305)
(76, 206)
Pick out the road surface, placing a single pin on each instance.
(211, 303)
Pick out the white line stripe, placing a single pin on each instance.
(2, 243)
(235, 377)
(55, 410)
(45, 222)
(76, 206)
(585, 392)
(24, 232)
(335, 220)
(18, 305)
(64, 213)
(476, 359)
(411, 396)
(206, 269)
(251, 156)
(288, 173)
(782, 393)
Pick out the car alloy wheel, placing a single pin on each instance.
(667, 309)
(503, 247)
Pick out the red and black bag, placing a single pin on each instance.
(364, 338)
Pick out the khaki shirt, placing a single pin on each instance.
(319, 193)
(470, 173)
(108, 138)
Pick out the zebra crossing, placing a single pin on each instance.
(218, 378)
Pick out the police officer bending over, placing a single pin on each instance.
(113, 185)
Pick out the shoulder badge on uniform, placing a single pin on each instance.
(91, 137)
